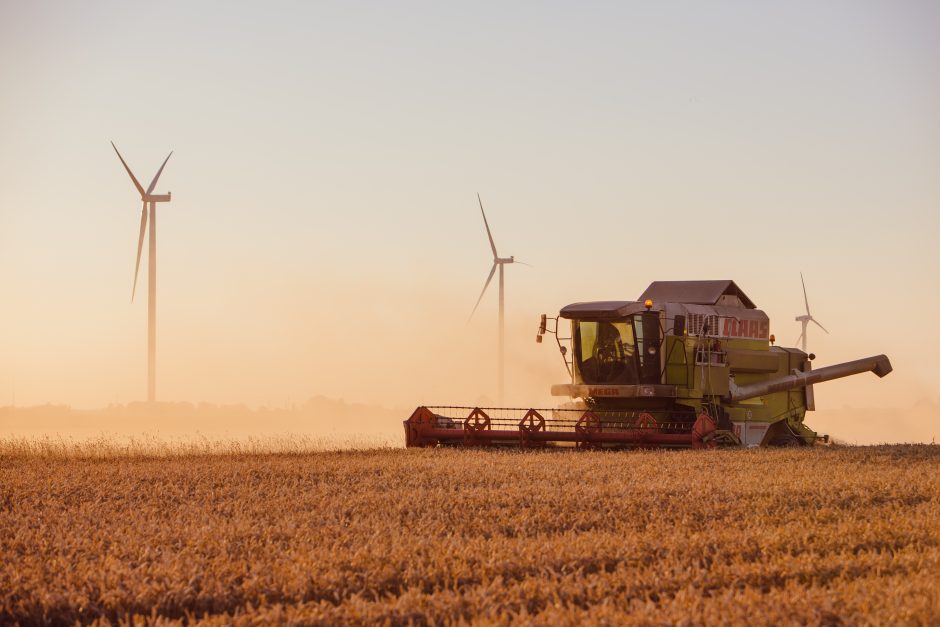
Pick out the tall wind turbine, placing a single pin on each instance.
(806, 318)
(498, 262)
(150, 201)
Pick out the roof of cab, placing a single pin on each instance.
(611, 309)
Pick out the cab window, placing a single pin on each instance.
(606, 352)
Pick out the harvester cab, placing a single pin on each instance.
(688, 364)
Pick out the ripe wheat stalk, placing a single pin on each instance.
(256, 534)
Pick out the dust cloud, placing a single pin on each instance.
(302, 356)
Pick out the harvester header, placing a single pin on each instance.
(687, 364)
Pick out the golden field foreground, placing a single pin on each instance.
(819, 535)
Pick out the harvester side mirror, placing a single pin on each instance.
(543, 322)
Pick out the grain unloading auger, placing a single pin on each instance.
(689, 364)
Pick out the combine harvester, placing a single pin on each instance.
(691, 364)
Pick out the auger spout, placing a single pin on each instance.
(879, 364)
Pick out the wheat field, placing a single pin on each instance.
(247, 535)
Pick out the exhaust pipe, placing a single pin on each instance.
(879, 364)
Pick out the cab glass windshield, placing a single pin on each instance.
(605, 352)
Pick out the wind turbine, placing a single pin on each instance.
(806, 318)
(498, 262)
(148, 198)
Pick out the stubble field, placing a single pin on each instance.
(820, 535)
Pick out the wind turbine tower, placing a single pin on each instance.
(498, 262)
(806, 318)
(150, 201)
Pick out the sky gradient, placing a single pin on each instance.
(324, 237)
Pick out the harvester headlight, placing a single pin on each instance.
(651, 350)
(538, 339)
(648, 303)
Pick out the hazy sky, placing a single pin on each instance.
(324, 237)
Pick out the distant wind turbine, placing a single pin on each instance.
(806, 318)
(148, 198)
(498, 262)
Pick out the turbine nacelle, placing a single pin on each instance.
(146, 195)
(498, 262)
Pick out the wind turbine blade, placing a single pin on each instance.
(153, 183)
(487, 225)
(813, 320)
(140, 247)
(797, 342)
(133, 178)
(805, 299)
(482, 292)
(523, 263)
